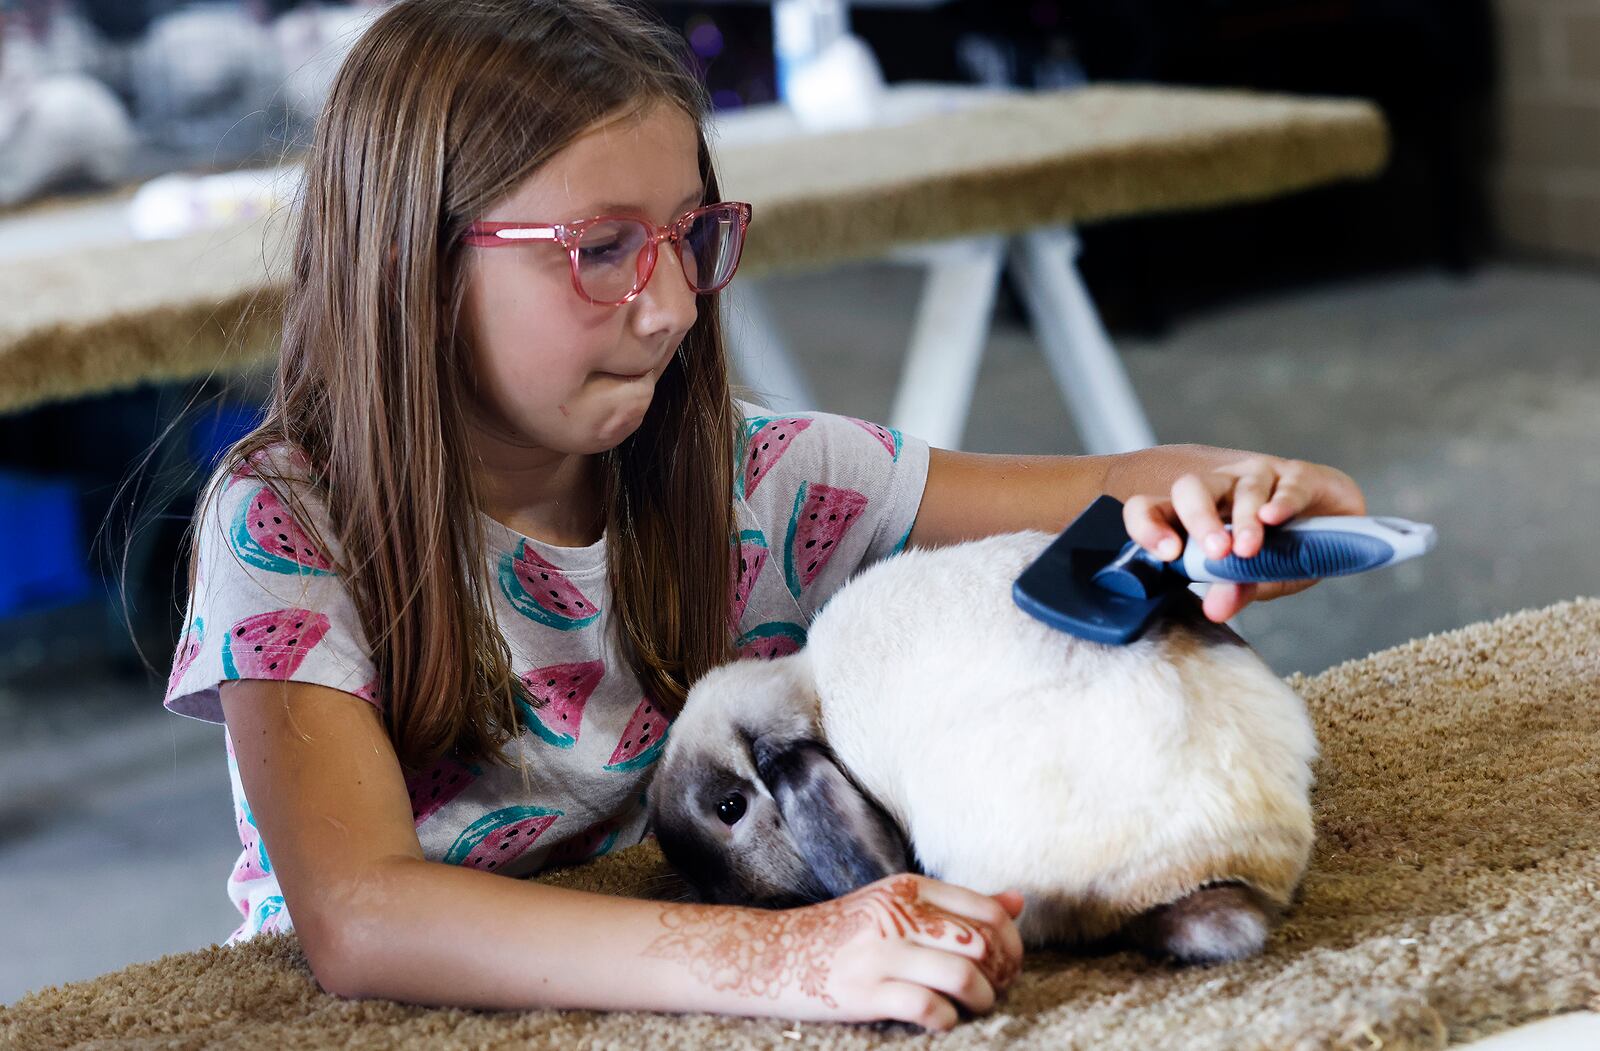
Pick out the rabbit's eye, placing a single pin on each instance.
(731, 808)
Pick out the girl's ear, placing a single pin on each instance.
(845, 838)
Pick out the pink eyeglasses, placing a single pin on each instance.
(614, 256)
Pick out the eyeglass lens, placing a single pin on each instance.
(611, 266)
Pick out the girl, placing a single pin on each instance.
(504, 510)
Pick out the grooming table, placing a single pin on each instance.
(1451, 894)
(963, 180)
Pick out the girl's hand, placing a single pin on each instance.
(1256, 491)
(913, 949)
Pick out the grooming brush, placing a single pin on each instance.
(1096, 583)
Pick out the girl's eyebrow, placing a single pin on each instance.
(613, 207)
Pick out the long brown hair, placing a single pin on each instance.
(442, 108)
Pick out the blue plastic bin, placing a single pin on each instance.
(44, 562)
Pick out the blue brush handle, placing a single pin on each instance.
(1329, 546)
(1310, 548)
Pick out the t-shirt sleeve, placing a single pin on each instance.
(266, 603)
(832, 494)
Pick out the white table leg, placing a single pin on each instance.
(1080, 354)
(947, 344)
(758, 350)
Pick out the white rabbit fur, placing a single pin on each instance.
(1101, 781)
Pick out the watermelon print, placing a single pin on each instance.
(586, 845)
(255, 863)
(642, 739)
(292, 457)
(271, 645)
(542, 593)
(748, 558)
(500, 837)
(188, 650)
(822, 515)
(890, 437)
(432, 789)
(266, 535)
(269, 914)
(768, 438)
(564, 689)
(369, 693)
(772, 639)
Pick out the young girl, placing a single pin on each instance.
(504, 510)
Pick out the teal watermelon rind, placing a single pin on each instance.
(772, 628)
(245, 546)
(753, 426)
(489, 823)
(525, 604)
(644, 758)
(543, 732)
(790, 577)
(316, 626)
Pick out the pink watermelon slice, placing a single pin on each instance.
(271, 645)
(434, 788)
(253, 863)
(563, 689)
(890, 437)
(500, 837)
(749, 557)
(276, 458)
(267, 536)
(822, 515)
(542, 593)
(369, 693)
(772, 639)
(590, 843)
(188, 650)
(769, 438)
(642, 739)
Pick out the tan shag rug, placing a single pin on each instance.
(1455, 891)
(112, 316)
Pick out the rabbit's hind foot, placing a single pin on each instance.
(1215, 924)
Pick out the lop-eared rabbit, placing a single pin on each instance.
(1156, 793)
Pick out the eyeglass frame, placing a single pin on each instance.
(504, 233)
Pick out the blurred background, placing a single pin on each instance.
(1432, 331)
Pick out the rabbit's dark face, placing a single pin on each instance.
(749, 805)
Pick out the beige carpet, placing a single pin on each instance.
(1453, 893)
(116, 315)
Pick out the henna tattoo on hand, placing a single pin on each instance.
(757, 953)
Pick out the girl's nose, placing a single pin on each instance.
(666, 302)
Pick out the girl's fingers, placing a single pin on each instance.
(1195, 498)
(1289, 497)
(995, 941)
(1224, 600)
(1253, 490)
(955, 976)
(917, 1004)
(1149, 522)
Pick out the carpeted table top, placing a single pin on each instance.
(116, 315)
(1452, 893)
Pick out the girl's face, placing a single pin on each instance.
(553, 370)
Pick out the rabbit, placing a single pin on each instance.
(1156, 793)
(56, 129)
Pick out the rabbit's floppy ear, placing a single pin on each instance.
(845, 838)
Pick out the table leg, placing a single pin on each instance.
(1093, 382)
(952, 327)
(758, 350)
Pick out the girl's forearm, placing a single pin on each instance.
(441, 935)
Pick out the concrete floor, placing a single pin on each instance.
(1470, 404)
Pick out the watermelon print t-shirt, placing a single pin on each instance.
(818, 497)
